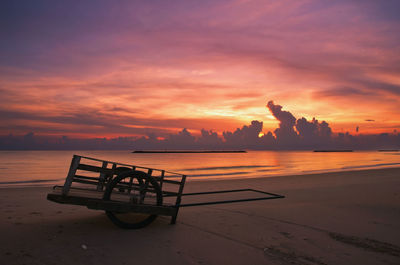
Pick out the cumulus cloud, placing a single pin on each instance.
(209, 140)
(299, 133)
(183, 139)
(313, 133)
(291, 134)
(247, 136)
(285, 132)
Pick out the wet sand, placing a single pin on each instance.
(333, 218)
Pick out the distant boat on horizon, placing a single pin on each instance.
(329, 151)
(187, 151)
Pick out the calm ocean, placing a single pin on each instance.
(36, 168)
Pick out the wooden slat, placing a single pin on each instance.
(95, 169)
(168, 180)
(102, 177)
(161, 178)
(86, 177)
(122, 164)
(178, 200)
(85, 181)
(71, 173)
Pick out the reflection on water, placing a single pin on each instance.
(50, 167)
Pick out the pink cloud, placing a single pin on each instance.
(199, 63)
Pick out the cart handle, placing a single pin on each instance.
(271, 196)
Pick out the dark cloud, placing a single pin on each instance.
(285, 133)
(313, 132)
(292, 134)
(372, 85)
(342, 92)
(209, 140)
(182, 140)
(299, 133)
(92, 121)
(246, 137)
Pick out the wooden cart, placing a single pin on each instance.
(132, 196)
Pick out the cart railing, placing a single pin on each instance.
(92, 182)
(92, 174)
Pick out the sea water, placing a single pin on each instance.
(27, 168)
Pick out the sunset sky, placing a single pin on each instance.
(127, 68)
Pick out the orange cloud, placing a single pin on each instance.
(136, 69)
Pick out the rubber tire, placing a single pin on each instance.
(141, 176)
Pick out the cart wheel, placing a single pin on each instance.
(118, 171)
(134, 187)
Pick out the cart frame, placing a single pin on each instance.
(90, 181)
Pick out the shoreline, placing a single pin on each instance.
(205, 179)
(348, 217)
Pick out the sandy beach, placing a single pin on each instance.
(332, 218)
